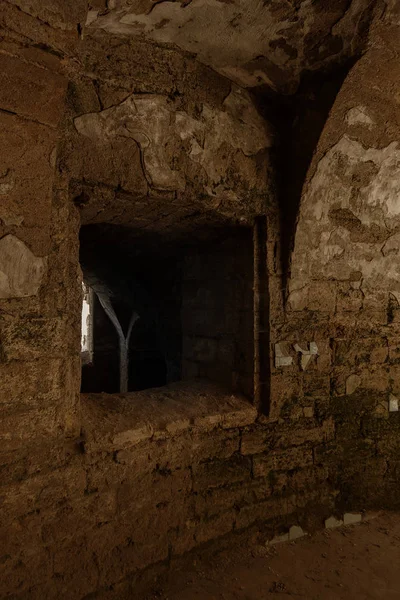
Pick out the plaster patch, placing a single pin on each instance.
(392, 245)
(228, 36)
(91, 17)
(352, 518)
(10, 219)
(5, 188)
(349, 207)
(7, 183)
(359, 116)
(296, 532)
(306, 355)
(393, 403)
(282, 357)
(279, 539)
(353, 382)
(332, 523)
(159, 130)
(21, 272)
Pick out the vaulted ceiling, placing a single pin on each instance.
(252, 42)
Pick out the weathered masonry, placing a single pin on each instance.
(221, 183)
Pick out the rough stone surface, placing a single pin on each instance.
(21, 273)
(202, 147)
(249, 43)
(136, 133)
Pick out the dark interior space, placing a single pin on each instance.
(190, 302)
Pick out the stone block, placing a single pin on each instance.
(393, 403)
(132, 437)
(89, 161)
(283, 460)
(255, 442)
(356, 352)
(31, 91)
(348, 299)
(353, 382)
(395, 379)
(19, 385)
(352, 518)
(285, 386)
(394, 351)
(21, 272)
(35, 337)
(217, 473)
(298, 299)
(193, 448)
(60, 14)
(296, 532)
(31, 425)
(309, 478)
(73, 561)
(322, 296)
(239, 418)
(217, 500)
(155, 496)
(376, 379)
(43, 491)
(279, 539)
(332, 522)
(260, 512)
(297, 436)
(215, 527)
(316, 384)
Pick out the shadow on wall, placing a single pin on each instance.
(299, 120)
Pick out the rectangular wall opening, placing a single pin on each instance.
(171, 309)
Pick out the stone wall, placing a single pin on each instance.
(343, 290)
(155, 478)
(94, 489)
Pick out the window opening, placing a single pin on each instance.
(169, 311)
(87, 325)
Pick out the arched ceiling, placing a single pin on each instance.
(251, 42)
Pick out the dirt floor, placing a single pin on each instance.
(352, 562)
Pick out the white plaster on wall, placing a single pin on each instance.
(359, 116)
(325, 248)
(250, 42)
(282, 357)
(224, 35)
(306, 355)
(393, 403)
(353, 382)
(21, 272)
(159, 130)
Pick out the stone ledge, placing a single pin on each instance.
(114, 422)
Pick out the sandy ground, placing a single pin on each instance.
(353, 562)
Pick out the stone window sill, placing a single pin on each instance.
(112, 422)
